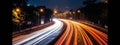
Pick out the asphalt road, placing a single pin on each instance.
(75, 33)
(81, 34)
(41, 37)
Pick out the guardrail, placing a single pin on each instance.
(28, 30)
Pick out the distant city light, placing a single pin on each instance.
(41, 10)
(73, 12)
(55, 11)
(70, 12)
(78, 11)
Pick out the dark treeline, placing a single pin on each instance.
(95, 12)
(28, 16)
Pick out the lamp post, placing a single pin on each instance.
(78, 11)
(70, 13)
(55, 12)
(40, 14)
(41, 10)
(73, 12)
(18, 11)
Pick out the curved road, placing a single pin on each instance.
(80, 34)
(75, 34)
(43, 36)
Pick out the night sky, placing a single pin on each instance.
(61, 5)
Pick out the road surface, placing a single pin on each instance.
(41, 37)
(75, 33)
(81, 34)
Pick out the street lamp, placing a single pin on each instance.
(17, 19)
(73, 12)
(78, 11)
(17, 10)
(55, 11)
(41, 10)
(70, 13)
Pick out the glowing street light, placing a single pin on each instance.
(41, 10)
(17, 10)
(73, 12)
(55, 11)
(70, 12)
(78, 11)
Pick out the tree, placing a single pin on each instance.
(31, 15)
(95, 11)
(48, 14)
(90, 9)
(18, 18)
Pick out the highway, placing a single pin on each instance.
(75, 33)
(81, 34)
(40, 37)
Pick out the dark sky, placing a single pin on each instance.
(61, 5)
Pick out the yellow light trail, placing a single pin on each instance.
(69, 37)
(96, 34)
(85, 37)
